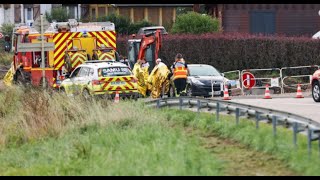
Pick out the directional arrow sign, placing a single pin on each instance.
(28, 47)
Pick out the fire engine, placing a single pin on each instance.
(74, 43)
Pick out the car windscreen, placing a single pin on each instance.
(203, 71)
(146, 31)
(114, 71)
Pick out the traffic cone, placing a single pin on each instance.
(117, 97)
(299, 92)
(267, 93)
(226, 93)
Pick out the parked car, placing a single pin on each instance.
(204, 80)
(316, 86)
(146, 30)
(101, 78)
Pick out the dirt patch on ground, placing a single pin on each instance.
(241, 160)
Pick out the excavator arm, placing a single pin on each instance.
(147, 40)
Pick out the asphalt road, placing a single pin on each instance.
(305, 107)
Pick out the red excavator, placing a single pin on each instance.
(147, 46)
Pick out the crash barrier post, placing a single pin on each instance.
(297, 76)
(236, 81)
(274, 81)
(299, 123)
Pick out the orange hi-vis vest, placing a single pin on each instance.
(180, 71)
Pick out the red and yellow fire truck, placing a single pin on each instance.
(74, 43)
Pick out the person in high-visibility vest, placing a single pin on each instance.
(180, 73)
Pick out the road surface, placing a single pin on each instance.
(305, 107)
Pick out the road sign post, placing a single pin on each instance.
(41, 24)
(43, 63)
(1, 35)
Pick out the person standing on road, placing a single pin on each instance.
(180, 73)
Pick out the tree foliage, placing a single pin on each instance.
(58, 14)
(123, 24)
(195, 23)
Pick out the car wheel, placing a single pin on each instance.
(86, 94)
(189, 90)
(19, 78)
(316, 91)
(62, 90)
(171, 92)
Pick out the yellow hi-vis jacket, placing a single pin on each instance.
(142, 74)
(180, 70)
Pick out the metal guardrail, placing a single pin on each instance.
(272, 81)
(237, 81)
(278, 81)
(299, 124)
(283, 78)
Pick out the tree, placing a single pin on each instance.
(195, 23)
(59, 14)
(6, 29)
(122, 23)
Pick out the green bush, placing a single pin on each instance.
(238, 51)
(195, 23)
(6, 29)
(59, 14)
(122, 23)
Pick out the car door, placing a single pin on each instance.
(80, 79)
(70, 86)
(84, 79)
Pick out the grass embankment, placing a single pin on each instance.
(260, 139)
(5, 61)
(5, 58)
(50, 134)
(55, 135)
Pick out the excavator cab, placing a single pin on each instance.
(133, 51)
(147, 47)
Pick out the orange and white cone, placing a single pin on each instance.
(267, 93)
(226, 93)
(299, 92)
(117, 97)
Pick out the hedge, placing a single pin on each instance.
(238, 51)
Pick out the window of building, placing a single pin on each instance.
(71, 12)
(262, 22)
(29, 14)
(93, 11)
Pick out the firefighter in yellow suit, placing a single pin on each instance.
(158, 79)
(141, 72)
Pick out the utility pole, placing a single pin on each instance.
(43, 63)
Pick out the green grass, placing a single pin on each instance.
(259, 139)
(5, 58)
(50, 134)
(113, 150)
(46, 133)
